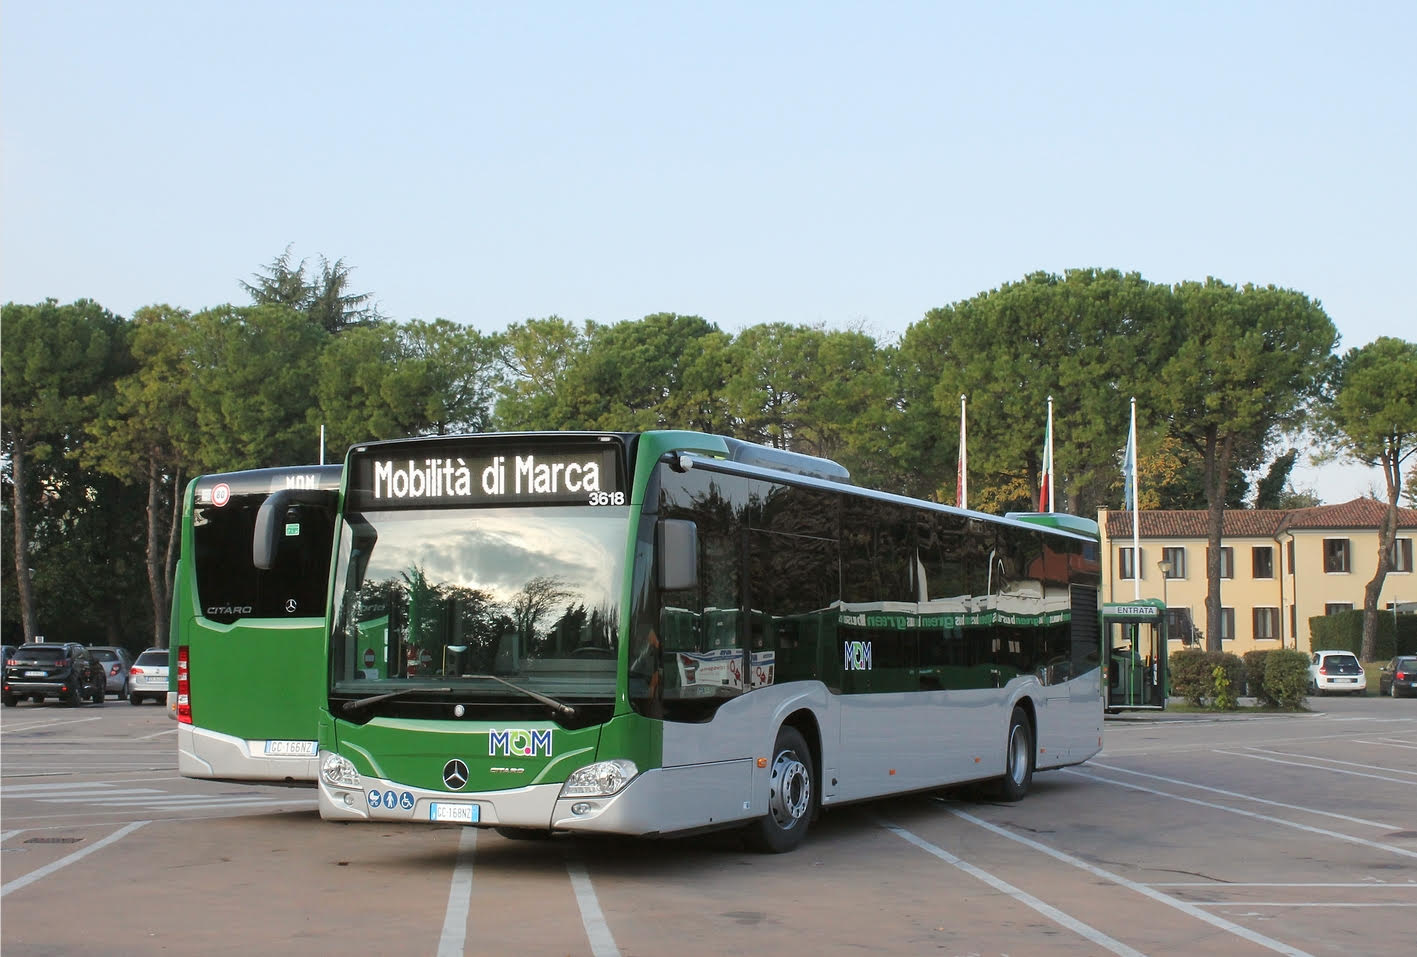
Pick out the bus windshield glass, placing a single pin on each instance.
(439, 599)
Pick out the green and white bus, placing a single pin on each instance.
(247, 646)
(656, 633)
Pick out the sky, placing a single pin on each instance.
(850, 165)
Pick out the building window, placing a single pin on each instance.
(1266, 623)
(1227, 624)
(1180, 626)
(1177, 559)
(1337, 607)
(1294, 619)
(1336, 556)
(1262, 561)
(1127, 564)
(1400, 560)
(1227, 561)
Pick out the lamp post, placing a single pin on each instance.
(1165, 567)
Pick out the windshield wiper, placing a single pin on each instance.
(361, 703)
(552, 703)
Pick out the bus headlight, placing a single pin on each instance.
(339, 772)
(600, 779)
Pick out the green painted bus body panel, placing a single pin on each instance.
(499, 755)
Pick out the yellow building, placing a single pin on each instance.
(1278, 567)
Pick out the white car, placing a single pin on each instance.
(1336, 671)
(148, 677)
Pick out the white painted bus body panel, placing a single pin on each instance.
(202, 753)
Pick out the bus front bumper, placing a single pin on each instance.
(630, 811)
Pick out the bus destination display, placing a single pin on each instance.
(497, 476)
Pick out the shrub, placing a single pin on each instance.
(1254, 675)
(1286, 677)
(1206, 676)
(1397, 634)
(1224, 699)
(1190, 679)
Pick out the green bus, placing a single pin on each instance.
(247, 645)
(663, 632)
(1134, 655)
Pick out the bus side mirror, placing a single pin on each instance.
(270, 520)
(677, 554)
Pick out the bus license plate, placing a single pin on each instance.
(457, 813)
(293, 749)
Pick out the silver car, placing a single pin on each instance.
(148, 677)
(116, 661)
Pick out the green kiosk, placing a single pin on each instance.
(1134, 655)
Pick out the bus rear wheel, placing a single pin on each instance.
(792, 796)
(1018, 759)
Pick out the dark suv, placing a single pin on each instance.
(65, 671)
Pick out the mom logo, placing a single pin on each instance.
(858, 656)
(517, 743)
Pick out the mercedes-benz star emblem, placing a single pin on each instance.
(290, 605)
(455, 775)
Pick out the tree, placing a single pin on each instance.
(536, 356)
(251, 387)
(58, 366)
(1244, 364)
(324, 299)
(1372, 415)
(144, 441)
(1090, 338)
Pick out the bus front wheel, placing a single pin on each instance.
(1018, 759)
(792, 796)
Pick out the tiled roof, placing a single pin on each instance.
(1254, 523)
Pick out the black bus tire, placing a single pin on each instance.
(792, 796)
(1018, 759)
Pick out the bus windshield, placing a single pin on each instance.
(437, 600)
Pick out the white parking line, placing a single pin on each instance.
(1245, 797)
(1183, 906)
(1351, 764)
(149, 737)
(1390, 744)
(63, 862)
(602, 942)
(1023, 897)
(1312, 767)
(450, 944)
(1294, 904)
(1336, 835)
(1375, 885)
(9, 727)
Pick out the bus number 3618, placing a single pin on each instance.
(607, 498)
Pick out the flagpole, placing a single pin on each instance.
(1136, 505)
(1051, 491)
(962, 476)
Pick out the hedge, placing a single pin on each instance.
(1277, 677)
(1193, 676)
(1397, 634)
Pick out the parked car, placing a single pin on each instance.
(1337, 671)
(148, 677)
(1399, 676)
(116, 661)
(62, 670)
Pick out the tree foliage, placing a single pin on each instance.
(1372, 415)
(1244, 364)
(322, 296)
